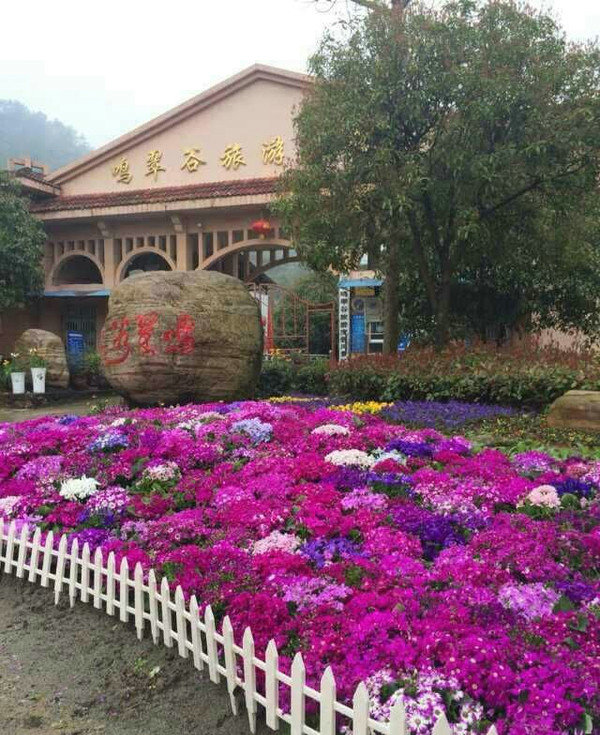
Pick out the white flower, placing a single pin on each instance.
(121, 421)
(163, 472)
(544, 496)
(381, 455)
(7, 504)
(331, 430)
(277, 541)
(349, 457)
(78, 488)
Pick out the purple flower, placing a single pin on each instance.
(580, 488)
(323, 552)
(450, 415)
(436, 532)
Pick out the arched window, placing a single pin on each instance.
(77, 270)
(145, 262)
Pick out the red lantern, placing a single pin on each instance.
(262, 227)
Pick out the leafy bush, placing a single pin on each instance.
(275, 377)
(282, 375)
(312, 378)
(525, 375)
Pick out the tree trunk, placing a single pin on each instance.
(391, 301)
(442, 317)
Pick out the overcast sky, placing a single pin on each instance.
(108, 66)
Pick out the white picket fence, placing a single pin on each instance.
(179, 623)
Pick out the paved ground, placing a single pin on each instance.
(77, 406)
(80, 672)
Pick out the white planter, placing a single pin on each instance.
(18, 382)
(38, 377)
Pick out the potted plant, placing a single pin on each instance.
(37, 365)
(17, 373)
(92, 367)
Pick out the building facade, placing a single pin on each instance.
(181, 192)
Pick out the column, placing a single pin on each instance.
(183, 260)
(110, 266)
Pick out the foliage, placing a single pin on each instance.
(17, 363)
(523, 375)
(21, 242)
(27, 133)
(529, 431)
(275, 377)
(92, 368)
(34, 359)
(458, 579)
(311, 378)
(281, 375)
(459, 144)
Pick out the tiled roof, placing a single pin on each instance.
(28, 173)
(209, 190)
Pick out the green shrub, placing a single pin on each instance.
(311, 378)
(520, 376)
(276, 378)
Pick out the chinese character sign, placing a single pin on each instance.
(180, 341)
(117, 347)
(272, 151)
(145, 328)
(153, 166)
(233, 157)
(121, 337)
(121, 172)
(192, 160)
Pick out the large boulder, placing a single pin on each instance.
(49, 346)
(172, 337)
(577, 409)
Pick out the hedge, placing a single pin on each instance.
(525, 375)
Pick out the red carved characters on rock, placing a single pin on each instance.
(116, 344)
(119, 348)
(180, 340)
(145, 328)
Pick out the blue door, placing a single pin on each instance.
(357, 333)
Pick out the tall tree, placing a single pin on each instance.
(21, 243)
(27, 133)
(440, 140)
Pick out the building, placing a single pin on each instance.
(179, 193)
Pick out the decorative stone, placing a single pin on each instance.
(173, 337)
(49, 346)
(577, 409)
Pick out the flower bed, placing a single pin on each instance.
(454, 580)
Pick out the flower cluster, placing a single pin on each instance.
(448, 415)
(78, 488)
(452, 578)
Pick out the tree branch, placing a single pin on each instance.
(536, 183)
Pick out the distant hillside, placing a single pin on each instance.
(27, 133)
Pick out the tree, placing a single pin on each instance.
(27, 133)
(21, 243)
(441, 141)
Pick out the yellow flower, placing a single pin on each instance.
(286, 399)
(359, 407)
